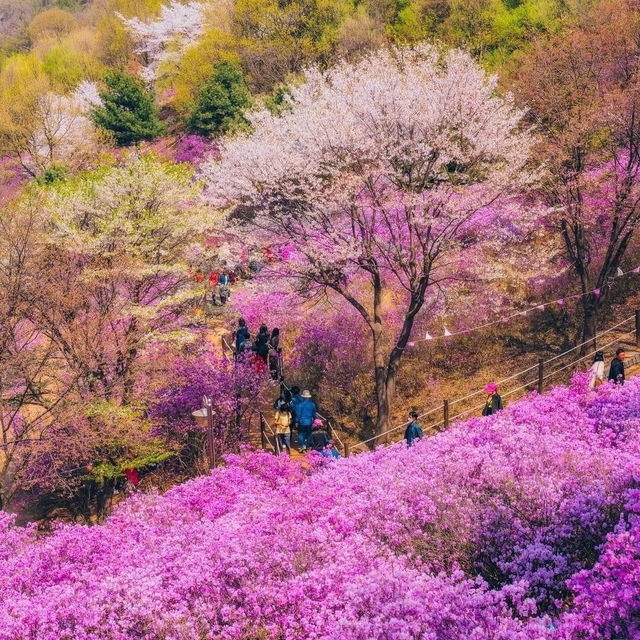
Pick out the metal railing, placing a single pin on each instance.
(535, 383)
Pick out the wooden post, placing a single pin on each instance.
(540, 374)
(263, 435)
(445, 408)
(347, 450)
(637, 327)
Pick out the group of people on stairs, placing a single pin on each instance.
(266, 347)
(296, 410)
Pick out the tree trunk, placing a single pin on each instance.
(589, 324)
(382, 396)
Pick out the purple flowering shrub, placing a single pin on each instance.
(236, 391)
(607, 597)
(520, 526)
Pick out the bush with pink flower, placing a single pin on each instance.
(519, 526)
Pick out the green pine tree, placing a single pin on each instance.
(128, 112)
(221, 102)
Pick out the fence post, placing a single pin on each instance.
(637, 327)
(445, 408)
(347, 450)
(263, 435)
(540, 374)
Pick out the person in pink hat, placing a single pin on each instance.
(494, 401)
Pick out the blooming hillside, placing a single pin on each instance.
(518, 526)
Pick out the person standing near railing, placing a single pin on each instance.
(414, 430)
(274, 352)
(305, 415)
(283, 419)
(616, 371)
(596, 372)
(494, 401)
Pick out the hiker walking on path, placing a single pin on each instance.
(283, 398)
(283, 419)
(274, 353)
(414, 430)
(262, 343)
(296, 399)
(305, 412)
(616, 371)
(319, 436)
(321, 442)
(596, 372)
(224, 282)
(494, 401)
(241, 335)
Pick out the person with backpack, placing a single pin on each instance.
(414, 430)
(305, 415)
(283, 420)
(319, 436)
(616, 371)
(493, 403)
(596, 372)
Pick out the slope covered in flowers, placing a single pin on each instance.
(518, 526)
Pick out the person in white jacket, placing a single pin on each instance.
(596, 372)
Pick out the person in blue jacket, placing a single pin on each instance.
(414, 431)
(241, 334)
(305, 416)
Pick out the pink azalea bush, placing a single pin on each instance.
(513, 527)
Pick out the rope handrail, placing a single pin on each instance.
(511, 377)
(588, 355)
(599, 335)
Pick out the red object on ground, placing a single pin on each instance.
(199, 277)
(132, 476)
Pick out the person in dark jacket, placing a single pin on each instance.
(494, 401)
(262, 343)
(616, 371)
(296, 399)
(305, 415)
(283, 398)
(274, 353)
(319, 436)
(242, 334)
(414, 430)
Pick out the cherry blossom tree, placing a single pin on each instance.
(45, 129)
(118, 245)
(383, 174)
(164, 40)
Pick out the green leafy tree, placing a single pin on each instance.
(128, 111)
(221, 102)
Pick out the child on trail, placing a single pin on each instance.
(283, 419)
(414, 430)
